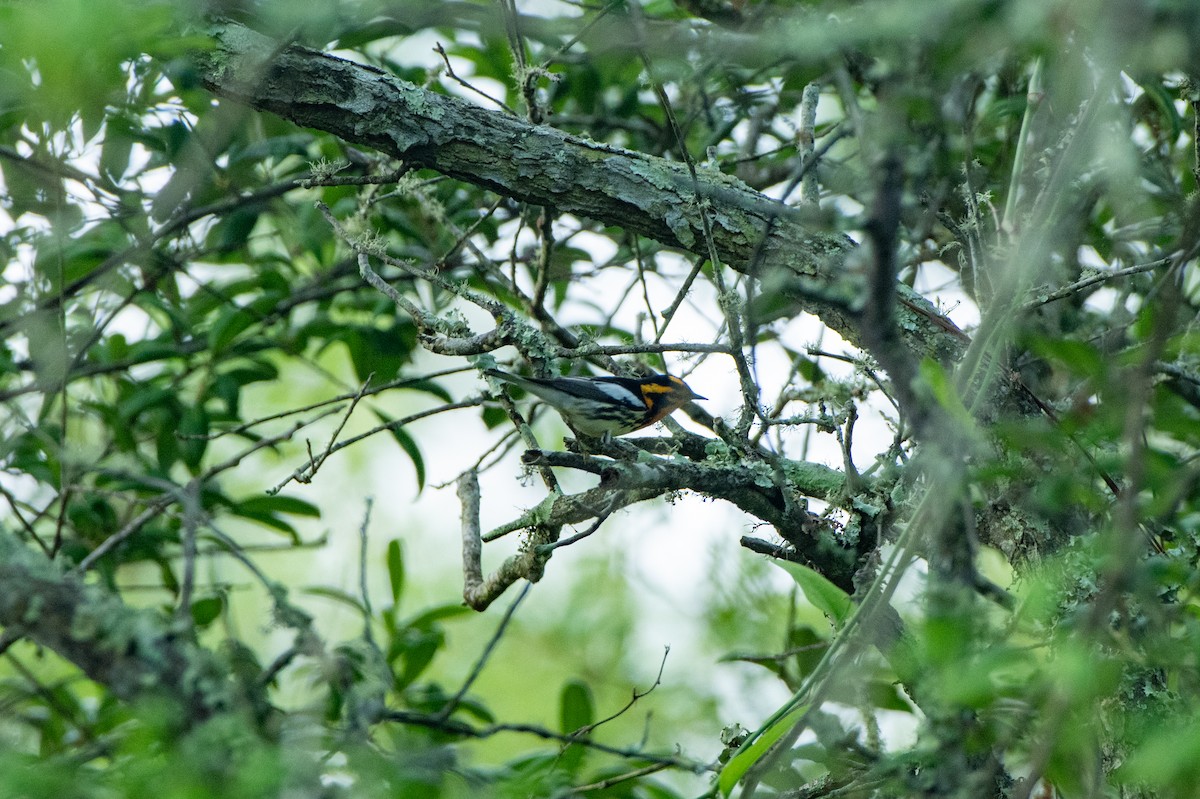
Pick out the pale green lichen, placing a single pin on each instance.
(815, 479)
(530, 341)
(453, 324)
(717, 452)
(681, 226)
(860, 504)
(761, 472)
(540, 514)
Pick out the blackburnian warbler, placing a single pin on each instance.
(601, 407)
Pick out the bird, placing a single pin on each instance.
(602, 407)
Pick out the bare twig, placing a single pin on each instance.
(437, 48)
(152, 511)
(879, 330)
(477, 669)
(1093, 279)
(316, 464)
(193, 513)
(368, 613)
(400, 382)
(300, 474)
(479, 592)
(461, 728)
(653, 768)
(564, 542)
(809, 190)
(472, 548)
(634, 698)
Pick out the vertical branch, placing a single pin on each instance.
(524, 74)
(878, 326)
(731, 305)
(472, 544)
(545, 256)
(454, 701)
(809, 190)
(1195, 104)
(479, 592)
(192, 514)
(527, 437)
(368, 613)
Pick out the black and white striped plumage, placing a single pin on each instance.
(606, 406)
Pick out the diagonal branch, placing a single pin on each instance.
(644, 194)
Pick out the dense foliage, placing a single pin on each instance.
(237, 237)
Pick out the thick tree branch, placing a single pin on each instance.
(538, 164)
(752, 487)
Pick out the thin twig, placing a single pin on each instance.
(477, 669)
(564, 542)
(634, 698)
(653, 768)
(368, 613)
(437, 48)
(13, 503)
(461, 728)
(479, 592)
(193, 513)
(809, 189)
(472, 546)
(1093, 279)
(314, 465)
(395, 424)
(400, 382)
(152, 511)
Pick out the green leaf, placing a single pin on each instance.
(153, 350)
(576, 711)
(429, 387)
(141, 399)
(339, 596)
(265, 510)
(753, 750)
(409, 445)
(941, 386)
(576, 707)
(206, 611)
(824, 595)
(233, 230)
(438, 613)
(116, 149)
(395, 566)
(229, 324)
(93, 517)
(380, 352)
(493, 416)
(280, 503)
(193, 432)
(416, 648)
(1075, 356)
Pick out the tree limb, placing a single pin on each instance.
(538, 164)
(750, 486)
